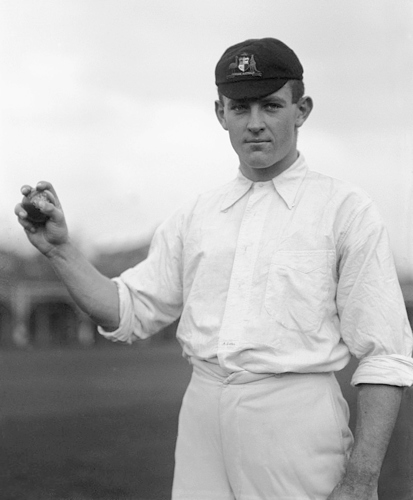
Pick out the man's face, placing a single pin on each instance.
(263, 132)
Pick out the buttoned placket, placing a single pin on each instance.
(249, 238)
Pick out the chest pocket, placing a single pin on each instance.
(297, 289)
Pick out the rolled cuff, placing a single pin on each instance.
(391, 369)
(129, 327)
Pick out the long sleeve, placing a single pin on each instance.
(374, 323)
(150, 294)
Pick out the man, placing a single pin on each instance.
(278, 277)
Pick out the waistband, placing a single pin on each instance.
(215, 371)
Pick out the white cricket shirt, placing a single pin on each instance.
(289, 275)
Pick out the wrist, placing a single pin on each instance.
(59, 251)
(360, 477)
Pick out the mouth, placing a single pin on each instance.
(256, 141)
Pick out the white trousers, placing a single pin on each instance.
(245, 436)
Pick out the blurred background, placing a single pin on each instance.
(112, 101)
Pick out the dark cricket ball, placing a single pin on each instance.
(31, 205)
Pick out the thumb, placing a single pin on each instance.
(55, 214)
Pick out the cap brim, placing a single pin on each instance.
(250, 89)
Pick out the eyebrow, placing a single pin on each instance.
(272, 99)
(263, 100)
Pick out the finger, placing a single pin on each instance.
(19, 210)
(51, 197)
(53, 212)
(26, 189)
(27, 226)
(45, 186)
(42, 185)
(48, 188)
(22, 218)
(46, 207)
(31, 230)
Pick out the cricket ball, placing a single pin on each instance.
(31, 205)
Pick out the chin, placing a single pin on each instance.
(260, 162)
(260, 166)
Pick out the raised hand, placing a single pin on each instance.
(50, 232)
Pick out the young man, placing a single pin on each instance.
(277, 277)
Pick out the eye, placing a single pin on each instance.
(272, 106)
(238, 107)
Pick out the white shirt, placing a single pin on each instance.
(289, 275)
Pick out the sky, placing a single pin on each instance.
(113, 102)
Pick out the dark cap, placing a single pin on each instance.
(256, 68)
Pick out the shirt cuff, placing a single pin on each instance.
(391, 369)
(129, 327)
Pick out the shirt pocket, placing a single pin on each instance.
(298, 287)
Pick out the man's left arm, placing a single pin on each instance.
(375, 328)
(377, 409)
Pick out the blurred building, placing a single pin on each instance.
(35, 308)
(37, 311)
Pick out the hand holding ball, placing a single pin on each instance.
(41, 216)
(31, 205)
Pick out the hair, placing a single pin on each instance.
(296, 86)
(297, 90)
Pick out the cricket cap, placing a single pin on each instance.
(256, 68)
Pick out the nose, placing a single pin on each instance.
(256, 120)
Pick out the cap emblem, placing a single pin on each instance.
(243, 65)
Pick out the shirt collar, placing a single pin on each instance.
(286, 184)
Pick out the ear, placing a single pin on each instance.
(304, 108)
(220, 112)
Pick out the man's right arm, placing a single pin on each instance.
(93, 292)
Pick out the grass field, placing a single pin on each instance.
(100, 423)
